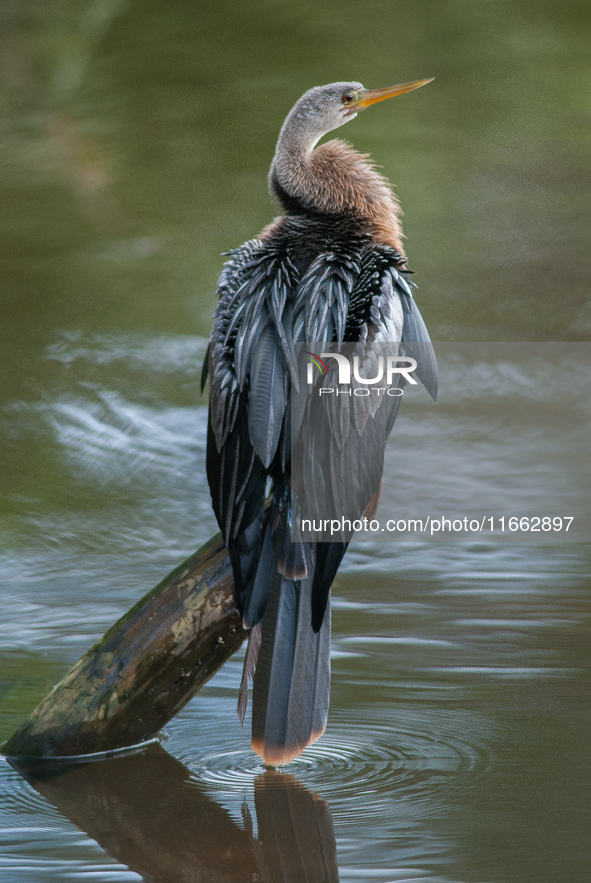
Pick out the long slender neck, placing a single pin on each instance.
(293, 155)
(333, 179)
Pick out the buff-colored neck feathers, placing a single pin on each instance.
(335, 179)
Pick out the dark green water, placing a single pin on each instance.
(135, 139)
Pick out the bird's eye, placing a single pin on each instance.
(348, 97)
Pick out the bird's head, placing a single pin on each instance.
(298, 175)
(324, 108)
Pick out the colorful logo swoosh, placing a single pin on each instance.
(320, 364)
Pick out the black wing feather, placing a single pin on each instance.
(417, 344)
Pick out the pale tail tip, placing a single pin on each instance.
(279, 755)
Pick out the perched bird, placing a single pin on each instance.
(331, 268)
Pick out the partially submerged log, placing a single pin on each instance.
(145, 669)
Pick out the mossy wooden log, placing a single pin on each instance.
(146, 667)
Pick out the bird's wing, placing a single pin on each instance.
(249, 361)
(339, 440)
(416, 342)
(362, 297)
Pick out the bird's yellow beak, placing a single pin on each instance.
(371, 96)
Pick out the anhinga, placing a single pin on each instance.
(332, 268)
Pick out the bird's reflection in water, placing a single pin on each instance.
(148, 813)
(295, 833)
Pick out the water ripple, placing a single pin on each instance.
(161, 353)
(20, 804)
(369, 759)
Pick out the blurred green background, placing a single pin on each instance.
(136, 137)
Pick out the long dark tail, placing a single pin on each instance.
(287, 606)
(292, 678)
